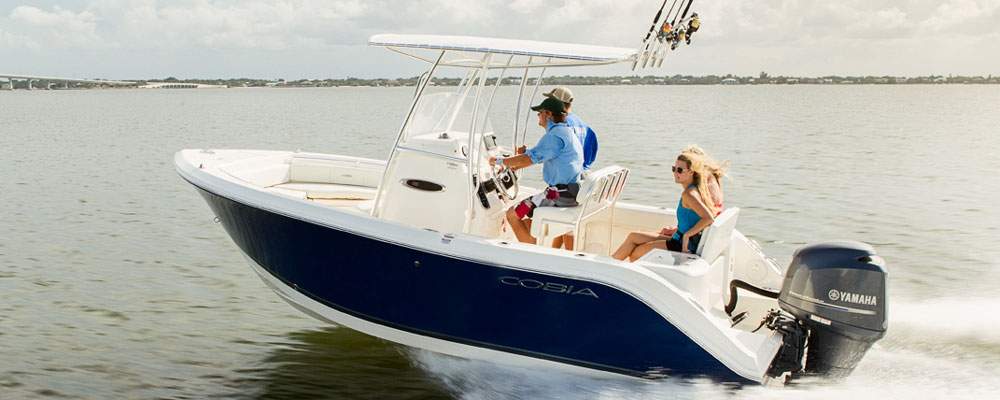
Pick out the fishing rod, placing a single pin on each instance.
(656, 42)
(687, 9)
(652, 27)
(673, 27)
(678, 33)
(657, 18)
(666, 30)
(683, 33)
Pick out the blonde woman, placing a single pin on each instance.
(717, 172)
(695, 211)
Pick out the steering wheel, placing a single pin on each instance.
(500, 174)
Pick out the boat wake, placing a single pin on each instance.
(474, 380)
(966, 318)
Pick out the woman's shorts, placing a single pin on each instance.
(675, 244)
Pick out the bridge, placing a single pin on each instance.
(10, 78)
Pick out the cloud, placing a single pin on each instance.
(256, 24)
(739, 36)
(526, 6)
(284, 24)
(10, 40)
(966, 16)
(312, 24)
(83, 21)
(58, 28)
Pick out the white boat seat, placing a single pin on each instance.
(599, 190)
(715, 248)
(342, 172)
(265, 175)
(707, 279)
(716, 239)
(329, 191)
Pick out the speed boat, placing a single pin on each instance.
(414, 249)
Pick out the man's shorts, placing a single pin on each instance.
(552, 196)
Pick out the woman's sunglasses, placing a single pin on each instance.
(679, 170)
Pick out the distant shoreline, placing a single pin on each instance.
(762, 79)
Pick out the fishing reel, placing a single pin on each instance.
(674, 35)
(666, 34)
(693, 25)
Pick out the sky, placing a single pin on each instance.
(295, 39)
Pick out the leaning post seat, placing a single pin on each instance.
(717, 238)
(598, 191)
(715, 247)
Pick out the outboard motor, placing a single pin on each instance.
(837, 292)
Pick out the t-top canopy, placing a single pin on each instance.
(578, 54)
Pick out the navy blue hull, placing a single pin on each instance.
(491, 306)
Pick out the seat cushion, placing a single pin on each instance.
(560, 220)
(330, 191)
(306, 170)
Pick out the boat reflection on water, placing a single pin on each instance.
(338, 363)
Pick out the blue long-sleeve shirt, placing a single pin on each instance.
(587, 136)
(561, 154)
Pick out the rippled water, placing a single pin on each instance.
(117, 284)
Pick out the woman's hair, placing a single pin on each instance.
(701, 173)
(714, 167)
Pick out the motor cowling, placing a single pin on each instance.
(837, 291)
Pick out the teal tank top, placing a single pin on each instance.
(686, 218)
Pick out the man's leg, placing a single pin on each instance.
(521, 230)
(564, 241)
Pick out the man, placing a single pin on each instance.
(588, 139)
(561, 155)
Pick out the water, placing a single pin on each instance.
(117, 284)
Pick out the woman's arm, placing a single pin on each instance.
(715, 187)
(667, 232)
(693, 201)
